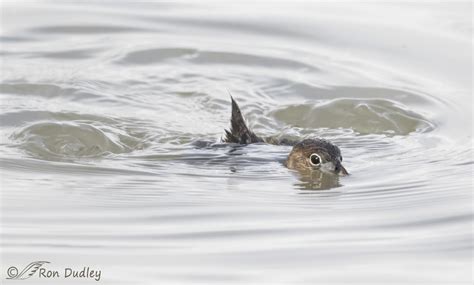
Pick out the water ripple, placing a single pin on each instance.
(364, 116)
(85, 29)
(68, 140)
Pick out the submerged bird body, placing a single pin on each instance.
(308, 154)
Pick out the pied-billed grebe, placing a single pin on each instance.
(308, 154)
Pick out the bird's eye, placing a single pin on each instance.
(315, 159)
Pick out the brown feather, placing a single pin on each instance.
(239, 132)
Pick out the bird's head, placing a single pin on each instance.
(317, 154)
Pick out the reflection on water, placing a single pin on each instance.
(317, 180)
(111, 120)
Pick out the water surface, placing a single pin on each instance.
(111, 119)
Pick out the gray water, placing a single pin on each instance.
(111, 119)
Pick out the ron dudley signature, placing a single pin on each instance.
(39, 269)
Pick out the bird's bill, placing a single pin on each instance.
(343, 171)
